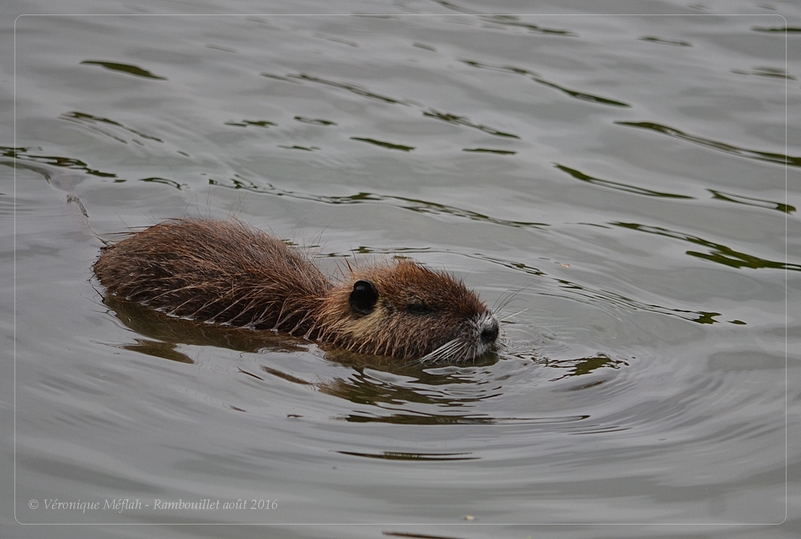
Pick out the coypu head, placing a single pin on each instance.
(407, 311)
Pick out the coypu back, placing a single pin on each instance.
(219, 271)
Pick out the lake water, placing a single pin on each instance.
(623, 189)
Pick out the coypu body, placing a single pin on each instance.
(226, 272)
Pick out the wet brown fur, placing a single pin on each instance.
(229, 273)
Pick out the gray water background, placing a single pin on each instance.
(623, 188)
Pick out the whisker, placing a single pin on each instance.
(508, 297)
(446, 352)
(508, 316)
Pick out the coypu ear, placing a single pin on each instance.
(363, 297)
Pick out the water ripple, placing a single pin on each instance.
(513, 21)
(462, 120)
(606, 299)
(352, 88)
(406, 203)
(618, 185)
(751, 201)
(770, 72)
(24, 155)
(716, 194)
(770, 157)
(398, 455)
(110, 128)
(384, 144)
(660, 41)
(547, 423)
(428, 112)
(583, 96)
(718, 253)
(124, 68)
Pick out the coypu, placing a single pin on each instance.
(226, 272)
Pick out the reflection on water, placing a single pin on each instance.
(168, 332)
(718, 253)
(620, 186)
(124, 68)
(428, 112)
(770, 157)
(415, 205)
(24, 157)
(716, 194)
(105, 126)
(386, 385)
(581, 96)
(577, 367)
(393, 455)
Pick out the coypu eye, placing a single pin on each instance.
(363, 297)
(419, 308)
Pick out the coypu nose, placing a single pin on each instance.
(489, 329)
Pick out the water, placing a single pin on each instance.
(614, 185)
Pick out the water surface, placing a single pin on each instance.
(614, 185)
